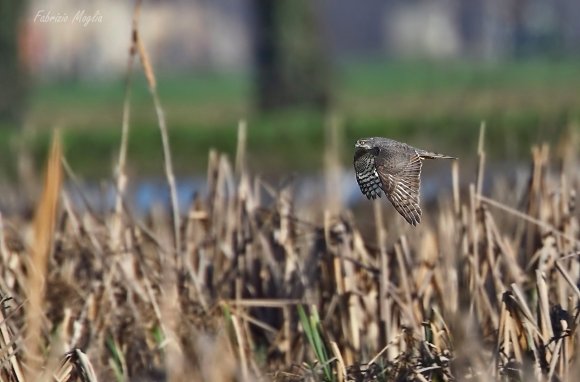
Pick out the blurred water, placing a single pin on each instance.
(307, 189)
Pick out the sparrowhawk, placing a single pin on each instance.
(383, 164)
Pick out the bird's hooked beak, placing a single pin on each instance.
(362, 144)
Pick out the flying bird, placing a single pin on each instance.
(382, 164)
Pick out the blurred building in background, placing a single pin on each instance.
(181, 35)
(219, 34)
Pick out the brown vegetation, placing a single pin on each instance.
(242, 288)
(485, 292)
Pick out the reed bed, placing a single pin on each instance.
(481, 291)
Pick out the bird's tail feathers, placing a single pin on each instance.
(431, 155)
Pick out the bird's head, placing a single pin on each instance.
(364, 143)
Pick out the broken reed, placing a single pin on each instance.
(480, 291)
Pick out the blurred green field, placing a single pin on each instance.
(437, 105)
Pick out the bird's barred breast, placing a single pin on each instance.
(369, 183)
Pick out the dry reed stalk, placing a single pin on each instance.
(455, 186)
(286, 334)
(170, 313)
(384, 304)
(490, 258)
(473, 254)
(256, 322)
(543, 306)
(336, 351)
(525, 309)
(529, 219)
(74, 181)
(241, 347)
(535, 194)
(554, 360)
(240, 166)
(71, 216)
(161, 122)
(44, 228)
(507, 253)
(481, 160)
(403, 272)
(270, 303)
(8, 351)
(170, 305)
(568, 279)
(117, 220)
(354, 322)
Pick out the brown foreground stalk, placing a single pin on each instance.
(44, 227)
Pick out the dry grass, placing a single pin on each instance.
(241, 288)
(484, 292)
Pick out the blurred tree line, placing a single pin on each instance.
(13, 83)
(291, 51)
(291, 67)
(290, 60)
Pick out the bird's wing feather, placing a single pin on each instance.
(402, 187)
(367, 177)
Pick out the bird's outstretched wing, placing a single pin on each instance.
(402, 187)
